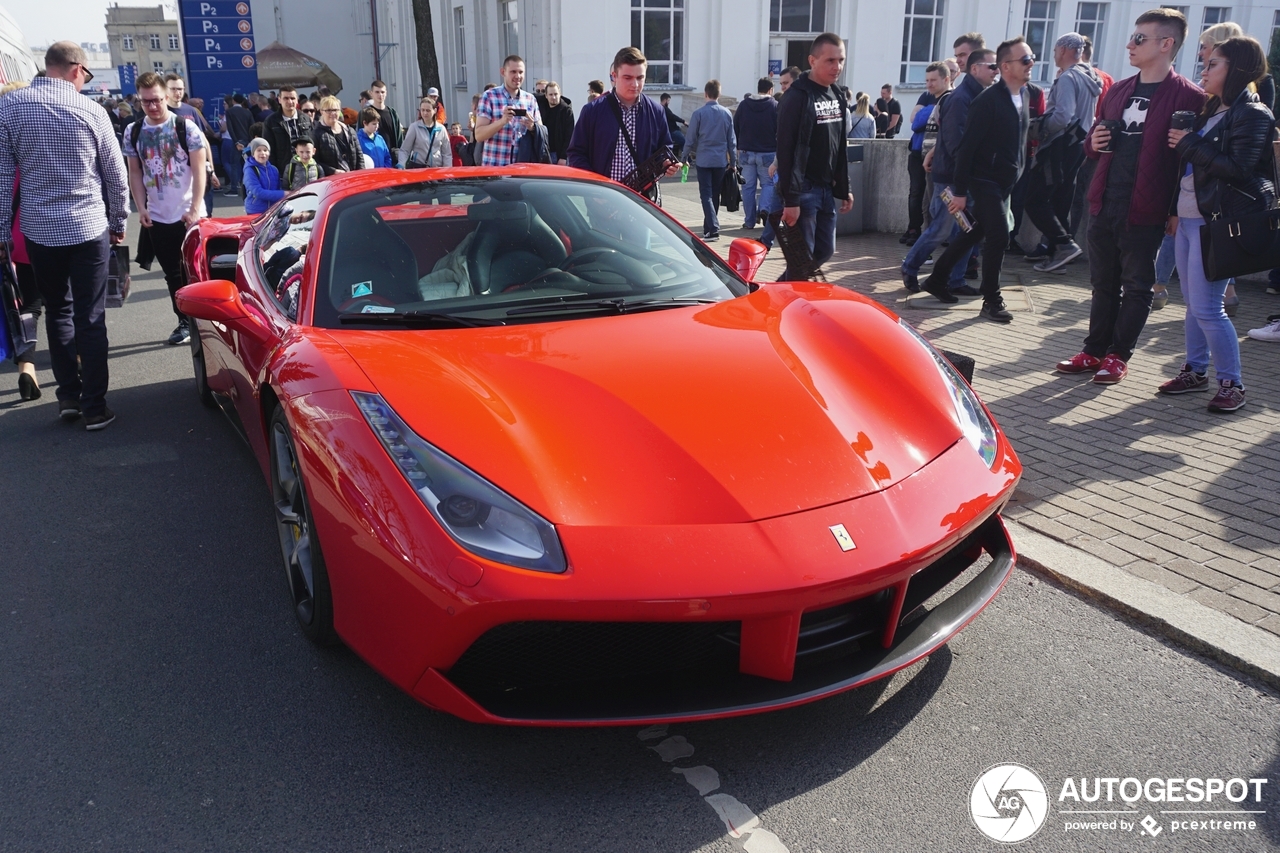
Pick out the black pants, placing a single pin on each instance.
(1122, 269)
(166, 242)
(987, 210)
(915, 198)
(1051, 190)
(1017, 201)
(73, 284)
(1080, 202)
(32, 302)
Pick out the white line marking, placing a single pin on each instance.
(653, 733)
(702, 777)
(672, 748)
(737, 817)
(764, 841)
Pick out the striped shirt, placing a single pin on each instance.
(63, 145)
(623, 163)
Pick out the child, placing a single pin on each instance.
(456, 140)
(261, 179)
(373, 145)
(302, 169)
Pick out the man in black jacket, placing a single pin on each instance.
(756, 125)
(557, 115)
(992, 155)
(238, 120)
(812, 167)
(285, 127)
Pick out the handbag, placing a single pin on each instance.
(1242, 244)
(730, 193)
(118, 278)
(18, 331)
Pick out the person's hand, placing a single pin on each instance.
(928, 160)
(239, 146)
(1175, 136)
(846, 205)
(192, 216)
(216, 184)
(672, 168)
(1171, 226)
(791, 215)
(117, 237)
(144, 218)
(505, 116)
(958, 204)
(773, 168)
(1101, 137)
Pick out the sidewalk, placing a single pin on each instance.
(1169, 511)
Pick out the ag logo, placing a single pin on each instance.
(1008, 803)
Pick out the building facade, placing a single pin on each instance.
(143, 36)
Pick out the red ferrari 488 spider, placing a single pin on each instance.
(541, 457)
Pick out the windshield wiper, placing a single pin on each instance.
(416, 319)
(611, 306)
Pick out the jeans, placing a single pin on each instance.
(1122, 269)
(73, 284)
(1052, 189)
(755, 167)
(915, 196)
(677, 142)
(709, 179)
(166, 242)
(1208, 328)
(991, 223)
(232, 163)
(942, 227)
(817, 223)
(1164, 260)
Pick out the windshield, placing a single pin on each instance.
(508, 250)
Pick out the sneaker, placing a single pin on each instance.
(231, 192)
(1230, 397)
(1015, 248)
(1039, 253)
(909, 236)
(748, 225)
(1081, 362)
(1269, 332)
(965, 290)
(911, 241)
(93, 423)
(1273, 290)
(181, 335)
(1065, 254)
(941, 294)
(710, 237)
(1185, 382)
(1159, 299)
(995, 310)
(68, 410)
(1111, 371)
(972, 273)
(911, 282)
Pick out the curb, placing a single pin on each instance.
(1227, 640)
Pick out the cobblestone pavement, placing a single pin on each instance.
(1158, 487)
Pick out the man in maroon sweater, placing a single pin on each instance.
(1131, 194)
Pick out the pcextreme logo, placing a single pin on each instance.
(1010, 803)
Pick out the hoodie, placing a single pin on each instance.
(1071, 103)
(756, 124)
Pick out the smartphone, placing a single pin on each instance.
(519, 111)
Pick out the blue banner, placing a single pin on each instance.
(128, 79)
(220, 48)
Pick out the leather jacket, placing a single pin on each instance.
(1233, 164)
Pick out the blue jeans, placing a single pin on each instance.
(1209, 329)
(232, 162)
(817, 223)
(942, 227)
(755, 167)
(769, 203)
(1165, 260)
(709, 178)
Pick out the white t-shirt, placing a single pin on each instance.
(165, 166)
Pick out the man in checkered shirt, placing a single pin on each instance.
(506, 113)
(75, 198)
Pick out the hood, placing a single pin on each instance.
(1086, 78)
(791, 398)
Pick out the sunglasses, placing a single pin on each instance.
(1138, 38)
(994, 66)
(311, 110)
(88, 75)
(1029, 59)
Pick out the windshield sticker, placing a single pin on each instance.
(377, 309)
(364, 288)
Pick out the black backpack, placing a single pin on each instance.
(179, 127)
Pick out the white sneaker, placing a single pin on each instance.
(1269, 332)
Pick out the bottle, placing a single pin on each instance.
(684, 174)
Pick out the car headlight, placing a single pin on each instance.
(477, 514)
(977, 427)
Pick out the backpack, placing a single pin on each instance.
(179, 128)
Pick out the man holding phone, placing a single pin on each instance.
(505, 114)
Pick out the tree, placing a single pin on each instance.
(428, 64)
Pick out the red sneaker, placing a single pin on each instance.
(1081, 362)
(1111, 371)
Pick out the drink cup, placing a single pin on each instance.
(1182, 120)
(1115, 127)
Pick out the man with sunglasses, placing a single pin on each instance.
(1131, 194)
(75, 202)
(991, 158)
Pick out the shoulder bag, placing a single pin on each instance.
(1245, 243)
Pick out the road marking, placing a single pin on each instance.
(741, 824)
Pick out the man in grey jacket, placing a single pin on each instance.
(711, 144)
(1051, 186)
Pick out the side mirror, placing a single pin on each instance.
(746, 256)
(211, 300)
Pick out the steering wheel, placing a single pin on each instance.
(368, 298)
(607, 263)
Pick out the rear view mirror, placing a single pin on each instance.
(746, 256)
(211, 300)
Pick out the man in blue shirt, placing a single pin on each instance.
(711, 144)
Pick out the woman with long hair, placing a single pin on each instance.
(861, 124)
(1229, 171)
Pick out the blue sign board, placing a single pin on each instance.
(775, 67)
(221, 50)
(128, 79)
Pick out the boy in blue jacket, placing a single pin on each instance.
(261, 179)
(371, 142)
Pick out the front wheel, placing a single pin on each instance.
(303, 562)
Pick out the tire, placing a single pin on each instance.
(198, 367)
(299, 544)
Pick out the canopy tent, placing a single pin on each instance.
(280, 65)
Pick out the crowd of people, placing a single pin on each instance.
(986, 147)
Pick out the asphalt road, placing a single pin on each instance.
(156, 694)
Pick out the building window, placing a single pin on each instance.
(157, 67)
(1091, 19)
(155, 41)
(657, 29)
(460, 47)
(126, 42)
(173, 41)
(921, 39)
(797, 16)
(509, 13)
(1039, 23)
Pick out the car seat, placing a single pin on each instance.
(512, 244)
(371, 256)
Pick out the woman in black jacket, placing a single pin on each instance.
(337, 149)
(1229, 173)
